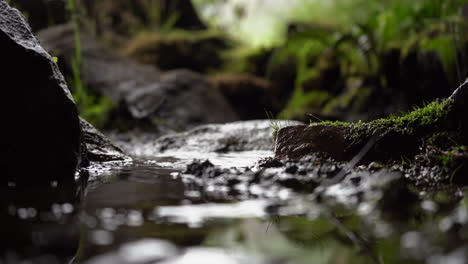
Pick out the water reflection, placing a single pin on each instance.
(146, 213)
(38, 222)
(146, 209)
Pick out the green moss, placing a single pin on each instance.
(419, 117)
(408, 123)
(334, 123)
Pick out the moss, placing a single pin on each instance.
(335, 123)
(407, 123)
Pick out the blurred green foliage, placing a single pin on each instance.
(94, 109)
(360, 33)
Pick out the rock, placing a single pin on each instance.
(103, 71)
(339, 143)
(295, 142)
(197, 168)
(40, 139)
(236, 136)
(167, 51)
(177, 99)
(98, 147)
(249, 95)
(181, 99)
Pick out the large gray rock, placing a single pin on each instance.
(181, 99)
(178, 99)
(40, 136)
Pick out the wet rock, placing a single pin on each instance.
(325, 179)
(197, 168)
(176, 99)
(250, 96)
(295, 142)
(40, 140)
(269, 163)
(236, 136)
(198, 52)
(435, 168)
(98, 147)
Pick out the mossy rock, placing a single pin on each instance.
(387, 139)
(199, 52)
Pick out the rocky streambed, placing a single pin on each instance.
(228, 200)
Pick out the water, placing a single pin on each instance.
(149, 212)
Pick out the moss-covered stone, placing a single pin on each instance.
(386, 139)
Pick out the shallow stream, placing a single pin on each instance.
(149, 211)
